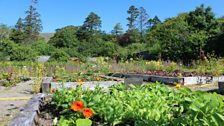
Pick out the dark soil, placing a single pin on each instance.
(47, 113)
(176, 73)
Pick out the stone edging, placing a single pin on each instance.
(29, 113)
(172, 80)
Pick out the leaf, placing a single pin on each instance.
(83, 122)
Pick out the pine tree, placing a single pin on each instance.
(92, 22)
(89, 31)
(32, 24)
(153, 21)
(143, 17)
(17, 34)
(117, 31)
(133, 12)
(156, 20)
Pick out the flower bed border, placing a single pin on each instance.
(172, 80)
(47, 84)
(28, 115)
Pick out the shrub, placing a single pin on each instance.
(23, 54)
(42, 47)
(59, 55)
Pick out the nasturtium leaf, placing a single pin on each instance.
(83, 122)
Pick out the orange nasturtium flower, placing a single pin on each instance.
(57, 79)
(178, 86)
(87, 112)
(98, 79)
(53, 90)
(77, 106)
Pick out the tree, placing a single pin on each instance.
(171, 38)
(202, 19)
(143, 17)
(131, 36)
(133, 12)
(92, 22)
(203, 26)
(117, 31)
(4, 32)
(152, 22)
(65, 37)
(90, 30)
(156, 20)
(32, 24)
(18, 35)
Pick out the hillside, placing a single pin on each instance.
(47, 36)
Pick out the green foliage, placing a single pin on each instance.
(65, 37)
(9, 79)
(83, 122)
(136, 47)
(133, 12)
(42, 48)
(187, 37)
(117, 31)
(92, 22)
(32, 24)
(152, 104)
(4, 32)
(167, 38)
(131, 36)
(23, 53)
(98, 48)
(18, 35)
(59, 55)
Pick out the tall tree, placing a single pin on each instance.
(17, 34)
(32, 24)
(203, 26)
(90, 30)
(143, 17)
(133, 12)
(19, 25)
(65, 37)
(92, 22)
(117, 31)
(156, 20)
(4, 32)
(153, 21)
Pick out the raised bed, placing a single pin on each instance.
(31, 113)
(28, 115)
(172, 80)
(48, 84)
(221, 86)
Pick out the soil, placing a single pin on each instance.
(10, 107)
(175, 73)
(47, 113)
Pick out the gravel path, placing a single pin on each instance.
(10, 108)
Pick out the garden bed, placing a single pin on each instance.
(172, 80)
(49, 84)
(152, 104)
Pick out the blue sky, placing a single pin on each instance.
(59, 13)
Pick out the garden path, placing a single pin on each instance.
(12, 99)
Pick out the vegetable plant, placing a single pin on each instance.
(152, 104)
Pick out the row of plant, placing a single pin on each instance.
(83, 70)
(209, 67)
(10, 79)
(151, 104)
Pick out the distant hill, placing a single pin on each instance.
(47, 36)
